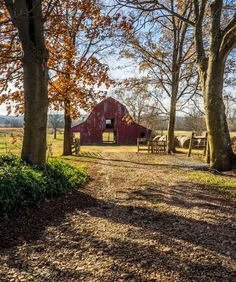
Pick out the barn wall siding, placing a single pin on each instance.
(91, 130)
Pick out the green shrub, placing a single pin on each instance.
(62, 177)
(23, 184)
(11, 160)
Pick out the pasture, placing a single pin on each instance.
(11, 142)
(188, 133)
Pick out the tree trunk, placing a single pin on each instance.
(222, 157)
(55, 133)
(178, 41)
(171, 126)
(173, 102)
(36, 106)
(67, 130)
(27, 17)
(211, 72)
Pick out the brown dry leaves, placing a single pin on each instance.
(137, 220)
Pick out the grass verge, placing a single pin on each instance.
(222, 183)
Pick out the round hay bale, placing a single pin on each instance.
(184, 142)
(200, 142)
(177, 141)
(179, 137)
(163, 138)
(157, 137)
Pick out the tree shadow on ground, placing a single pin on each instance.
(28, 225)
(199, 196)
(112, 162)
(136, 259)
(174, 226)
(180, 233)
(51, 270)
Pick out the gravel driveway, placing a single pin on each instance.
(138, 219)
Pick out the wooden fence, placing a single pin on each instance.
(151, 146)
(75, 146)
(198, 143)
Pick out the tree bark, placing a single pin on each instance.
(67, 150)
(179, 33)
(55, 133)
(177, 50)
(34, 62)
(173, 102)
(27, 17)
(222, 157)
(211, 70)
(36, 106)
(171, 126)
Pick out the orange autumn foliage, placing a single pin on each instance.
(75, 33)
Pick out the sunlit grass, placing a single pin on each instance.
(223, 183)
(189, 133)
(11, 143)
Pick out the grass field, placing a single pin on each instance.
(11, 142)
(188, 133)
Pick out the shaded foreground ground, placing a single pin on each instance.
(139, 219)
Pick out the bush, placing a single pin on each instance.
(23, 184)
(62, 177)
(11, 160)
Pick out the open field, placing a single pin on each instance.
(12, 145)
(11, 141)
(188, 133)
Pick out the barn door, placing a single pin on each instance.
(109, 137)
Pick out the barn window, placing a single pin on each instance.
(110, 123)
(142, 134)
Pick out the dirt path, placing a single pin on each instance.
(133, 222)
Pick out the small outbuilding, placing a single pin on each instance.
(110, 122)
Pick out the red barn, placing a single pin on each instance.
(110, 122)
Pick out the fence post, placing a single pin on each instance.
(205, 144)
(208, 152)
(190, 145)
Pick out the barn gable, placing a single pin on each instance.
(110, 117)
